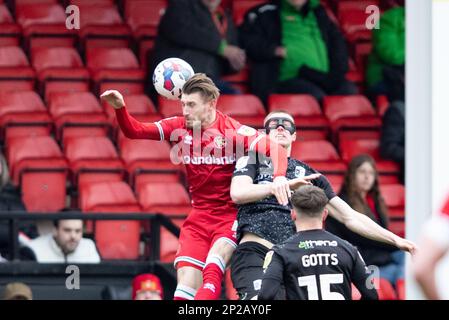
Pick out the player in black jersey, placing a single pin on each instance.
(262, 222)
(314, 264)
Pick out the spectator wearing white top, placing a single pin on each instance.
(65, 245)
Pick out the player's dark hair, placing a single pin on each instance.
(309, 200)
(277, 111)
(201, 83)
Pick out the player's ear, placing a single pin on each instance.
(294, 137)
(213, 103)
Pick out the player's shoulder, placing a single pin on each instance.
(301, 164)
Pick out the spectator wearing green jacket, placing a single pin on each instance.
(385, 69)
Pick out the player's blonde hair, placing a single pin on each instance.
(201, 83)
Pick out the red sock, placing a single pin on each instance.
(212, 278)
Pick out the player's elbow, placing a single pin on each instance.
(237, 196)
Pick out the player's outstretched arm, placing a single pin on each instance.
(130, 127)
(361, 224)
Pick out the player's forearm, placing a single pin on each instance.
(134, 129)
(250, 193)
(360, 223)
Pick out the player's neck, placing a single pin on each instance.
(308, 224)
(210, 120)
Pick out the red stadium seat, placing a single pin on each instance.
(355, 293)
(394, 196)
(15, 72)
(77, 114)
(9, 31)
(23, 111)
(245, 108)
(239, 80)
(305, 110)
(336, 181)
(61, 68)
(145, 155)
(164, 197)
(353, 113)
(138, 105)
(93, 159)
(239, 9)
(400, 289)
(351, 148)
(37, 165)
(114, 239)
(156, 177)
(319, 154)
(353, 24)
(386, 291)
(102, 26)
(362, 51)
(397, 227)
(118, 65)
(44, 25)
(169, 108)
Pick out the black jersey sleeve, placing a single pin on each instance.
(360, 279)
(272, 279)
(246, 166)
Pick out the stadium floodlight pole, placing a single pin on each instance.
(418, 125)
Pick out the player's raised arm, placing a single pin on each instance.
(363, 225)
(130, 127)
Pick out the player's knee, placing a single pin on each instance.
(190, 277)
(223, 248)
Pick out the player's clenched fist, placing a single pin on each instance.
(114, 98)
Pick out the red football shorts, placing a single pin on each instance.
(200, 231)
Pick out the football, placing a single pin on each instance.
(169, 77)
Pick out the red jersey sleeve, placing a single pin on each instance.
(445, 210)
(255, 141)
(134, 129)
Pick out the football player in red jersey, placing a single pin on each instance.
(434, 246)
(209, 143)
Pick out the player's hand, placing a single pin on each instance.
(406, 245)
(235, 56)
(114, 98)
(298, 182)
(281, 190)
(280, 52)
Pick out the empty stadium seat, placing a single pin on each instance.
(353, 25)
(137, 105)
(15, 72)
(169, 108)
(385, 290)
(320, 155)
(394, 196)
(353, 113)
(93, 159)
(353, 147)
(245, 108)
(142, 155)
(77, 114)
(305, 110)
(21, 111)
(9, 31)
(118, 65)
(336, 181)
(37, 165)
(169, 198)
(102, 26)
(239, 80)
(397, 227)
(114, 239)
(61, 68)
(44, 24)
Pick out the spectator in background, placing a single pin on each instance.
(392, 141)
(294, 47)
(10, 200)
(17, 291)
(65, 245)
(202, 33)
(360, 190)
(147, 287)
(385, 68)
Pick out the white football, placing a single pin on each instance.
(169, 77)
